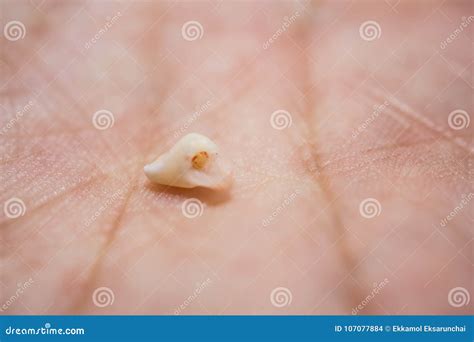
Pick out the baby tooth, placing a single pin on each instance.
(193, 161)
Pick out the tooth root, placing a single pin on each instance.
(193, 161)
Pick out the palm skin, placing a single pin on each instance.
(292, 218)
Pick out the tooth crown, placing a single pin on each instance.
(193, 161)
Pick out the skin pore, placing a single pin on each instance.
(369, 119)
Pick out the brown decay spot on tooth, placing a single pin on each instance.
(199, 160)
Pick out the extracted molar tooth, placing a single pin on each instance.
(193, 161)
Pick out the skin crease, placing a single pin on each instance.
(93, 219)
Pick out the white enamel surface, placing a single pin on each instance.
(175, 168)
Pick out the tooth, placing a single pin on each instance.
(192, 162)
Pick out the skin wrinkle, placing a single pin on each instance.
(150, 243)
(96, 268)
(102, 172)
(348, 259)
(11, 254)
(347, 156)
(97, 265)
(67, 192)
(87, 182)
(69, 99)
(76, 277)
(404, 109)
(391, 155)
(73, 132)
